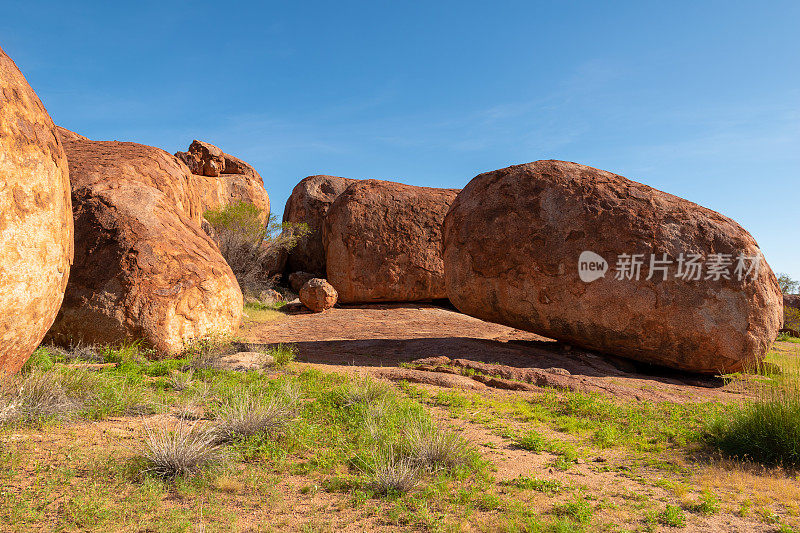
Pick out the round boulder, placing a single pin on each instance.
(605, 263)
(318, 295)
(383, 242)
(36, 231)
(144, 270)
(308, 204)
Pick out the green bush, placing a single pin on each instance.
(252, 246)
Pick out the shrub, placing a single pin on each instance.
(532, 441)
(283, 354)
(791, 318)
(365, 391)
(203, 352)
(787, 284)
(251, 246)
(182, 452)
(708, 505)
(577, 509)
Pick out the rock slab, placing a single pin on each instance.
(36, 231)
(512, 242)
(382, 242)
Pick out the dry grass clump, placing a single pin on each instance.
(203, 352)
(180, 452)
(41, 395)
(364, 390)
(180, 381)
(246, 414)
(436, 449)
(392, 472)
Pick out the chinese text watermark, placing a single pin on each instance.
(688, 267)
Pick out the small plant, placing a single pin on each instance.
(576, 509)
(392, 473)
(360, 391)
(246, 414)
(708, 505)
(546, 486)
(435, 449)
(532, 441)
(672, 516)
(203, 352)
(282, 354)
(180, 381)
(182, 452)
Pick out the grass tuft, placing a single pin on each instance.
(41, 395)
(393, 473)
(435, 449)
(246, 414)
(182, 452)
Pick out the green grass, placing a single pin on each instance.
(672, 516)
(765, 428)
(785, 337)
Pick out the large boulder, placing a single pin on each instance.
(512, 243)
(96, 162)
(36, 231)
(144, 269)
(383, 242)
(224, 178)
(308, 204)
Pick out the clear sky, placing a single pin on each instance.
(700, 99)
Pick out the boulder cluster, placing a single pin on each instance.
(105, 242)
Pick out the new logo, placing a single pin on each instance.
(591, 266)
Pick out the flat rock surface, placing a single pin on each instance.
(439, 346)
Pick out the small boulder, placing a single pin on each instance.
(270, 297)
(318, 295)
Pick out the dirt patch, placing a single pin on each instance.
(471, 353)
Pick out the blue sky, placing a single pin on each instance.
(700, 99)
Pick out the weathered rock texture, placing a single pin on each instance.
(513, 237)
(144, 269)
(225, 179)
(35, 219)
(308, 204)
(298, 279)
(318, 295)
(95, 162)
(383, 242)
